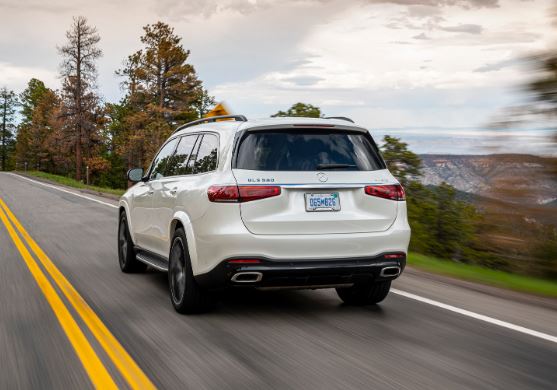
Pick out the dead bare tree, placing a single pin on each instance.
(79, 73)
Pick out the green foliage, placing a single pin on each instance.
(545, 251)
(403, 164)
(300, 110)
(204, 103)
(36, 137)
(162, 91)
(441, 225)
(30, 99)
(115, 134)
(8, 103)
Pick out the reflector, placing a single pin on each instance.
(244, 261)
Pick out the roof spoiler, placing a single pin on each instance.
(237, 118)
(342, 118)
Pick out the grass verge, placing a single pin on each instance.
(482, 275)
(73, 183)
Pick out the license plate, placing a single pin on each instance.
(323, 202)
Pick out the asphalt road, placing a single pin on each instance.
(280, 339)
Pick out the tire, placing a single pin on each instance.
(365, 293)
(186, 295)
(126, 252)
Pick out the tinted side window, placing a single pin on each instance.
(181, 163)
(207, 154)
(307, 150)
(161, 162)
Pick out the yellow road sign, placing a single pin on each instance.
(220, 109)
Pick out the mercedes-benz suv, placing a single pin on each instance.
(274, 203)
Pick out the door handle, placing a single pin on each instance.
(151, 192)
(174, 190)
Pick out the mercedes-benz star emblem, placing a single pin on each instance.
(322, 177)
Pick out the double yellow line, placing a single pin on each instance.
(99, 375)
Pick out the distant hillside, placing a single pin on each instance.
(524, 177)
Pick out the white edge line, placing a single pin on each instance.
(477, 316)
(454, 309)
(63, 190)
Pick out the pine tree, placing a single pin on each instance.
(170, 83)
(162, 91)
(29, 137)
(300, 110)
(403, 163)
(29, 99)
(8, 103)
(205, 102)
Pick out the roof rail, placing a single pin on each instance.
(342, 118)
(237, 118)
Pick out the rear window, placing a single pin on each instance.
(307, 150)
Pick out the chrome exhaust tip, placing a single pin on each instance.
(389, 272)
(247, 277)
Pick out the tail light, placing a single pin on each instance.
(392, 192)
(248, 193)
(395, 256)
(239, 194)
(223, 194)
(244, 261)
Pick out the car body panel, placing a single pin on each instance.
(286, 213)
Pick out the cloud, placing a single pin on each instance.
(185, 9)
(495, 66)
(304, 81)
(421, 36)
(48, 7)
(262, 56)
(464, 28)
(16, 77)
(407, 22)
(431, 22)
(468, 4)
(423, 11)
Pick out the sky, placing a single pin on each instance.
(384, 63)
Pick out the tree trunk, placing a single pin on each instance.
(4, 113)
(78, 156)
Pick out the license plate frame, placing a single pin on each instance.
(311, 207)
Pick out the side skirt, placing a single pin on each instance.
(151, 259)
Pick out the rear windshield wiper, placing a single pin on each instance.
(335, 166)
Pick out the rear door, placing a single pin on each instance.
(144, 211)
(173, 181)
(322, 174)
(181, 189)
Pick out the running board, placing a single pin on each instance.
(152, 260)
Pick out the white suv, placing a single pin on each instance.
(272, 203)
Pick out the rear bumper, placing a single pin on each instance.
(302, 274)
(221, 235)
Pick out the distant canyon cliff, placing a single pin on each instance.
(508, 177)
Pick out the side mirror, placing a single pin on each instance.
(135, 175)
